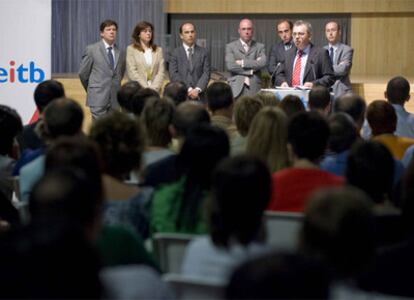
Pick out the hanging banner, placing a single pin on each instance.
(25, 52)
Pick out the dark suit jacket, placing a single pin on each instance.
(276, 56)
(318, 69)
(179, 67)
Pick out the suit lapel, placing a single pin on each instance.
(338, 53)
(104, 53)
(116, 54)
(309, 62)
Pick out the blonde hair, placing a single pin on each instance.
(267, 138)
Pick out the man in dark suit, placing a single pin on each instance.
(190, 63)
(244, 60)
(305, 65)
(341, 57)
(277, 53)
(101, 71)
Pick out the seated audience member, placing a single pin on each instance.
(337, 230)
(140, 98)
(267, 98)
(157, 118)
(121, 141)
(392, 271)
(125, 94)
(279, 276)
(382, 120)
(235, 220)
(291, 105)
(343, 136)
(116, 244)
(408, 156)
(320, 100)
(308, 134)
(179, 206)
(244, 111)
(220, 103)
(370, 167)
(176, 91)
(45, 92)
(62, 117)
(398, 93)
(10, 127)
(354, 106)
(267, 138)
(186, 116)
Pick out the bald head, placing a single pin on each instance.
(246, 30)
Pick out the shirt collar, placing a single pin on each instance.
(186, 47)
(244, 43)
(107, 45)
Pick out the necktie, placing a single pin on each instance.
(111, 58)
(331, 54)
(190, 57)
(246, 78)
(297, 69)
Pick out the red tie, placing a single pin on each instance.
(297, 69)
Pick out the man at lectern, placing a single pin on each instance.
(305, 65)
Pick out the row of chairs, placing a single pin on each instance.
(282, 231)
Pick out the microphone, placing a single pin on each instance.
(274, 72)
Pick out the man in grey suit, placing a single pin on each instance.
(244, 60)
(277, 53)
(101, 71)
(341, 57)
(190, 63)
(305, 65)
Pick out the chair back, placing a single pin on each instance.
(187, 288)
(282, 229)
(170, 248)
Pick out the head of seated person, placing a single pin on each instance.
(354, 106)
(245, 110)
(398, 90)
(320, 100)
(291, 105)
(140, 98)
(125, 94)
(381, 117)
(220, 99)
(343, 132)
(176, 91)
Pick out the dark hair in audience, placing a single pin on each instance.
(67, 193)
(46, 92)
(398, 90)
(381, 117)
(176, 91)
(107, 23)
(140, 98)
(189, 114)
(121, 141)
(244, 111)
(182, 24)
(50, 260)
(291, 105)
(354, 106)
(338, 229)
(75, 152)
(343, 132)
(219, 95)
(156, 118)
(279, 276)
(370, 167)
(203, 148)
(10, 126)
(319, 98)
(283, 21)
(63, 116)
(267, 98)
(308, 134)
(125, 94)
(236, 181)
(136, 41)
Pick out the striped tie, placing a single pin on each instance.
(297, 69)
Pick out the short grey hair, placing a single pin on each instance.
(307, 24)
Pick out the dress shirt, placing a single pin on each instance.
(303, 62)
(113, 50)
